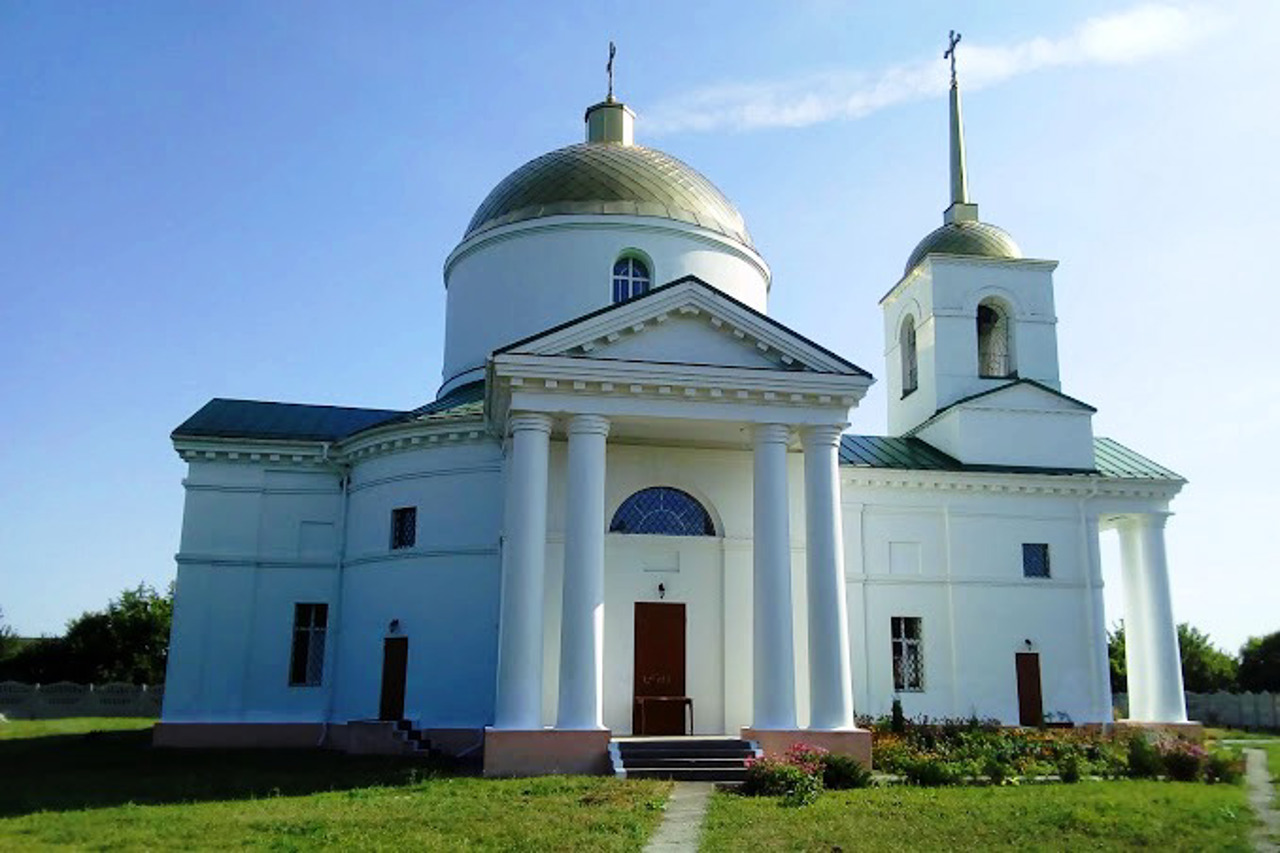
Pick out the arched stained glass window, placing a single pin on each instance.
(663, 511)
(630, 278)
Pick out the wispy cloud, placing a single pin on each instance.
(1133, 35)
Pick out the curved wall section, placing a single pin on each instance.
(513, 282)
(442, 590)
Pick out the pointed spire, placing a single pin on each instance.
(961, 210)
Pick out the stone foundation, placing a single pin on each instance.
(853, 742)
(238, 735)
(542, 752)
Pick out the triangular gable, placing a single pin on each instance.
(1026, 394)
(686, 321)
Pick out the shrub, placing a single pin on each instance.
(1144, 758)
(1069, 769)
(841, 772)
(996, 770)
(930, 772)
(1224, 766)
(774, 777)
(1183, 760)
(898, 723)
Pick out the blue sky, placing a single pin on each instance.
(256, 199)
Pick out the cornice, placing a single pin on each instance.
(1074, 485)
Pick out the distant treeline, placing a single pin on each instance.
(1206, 668)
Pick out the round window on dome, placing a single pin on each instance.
(630, 278)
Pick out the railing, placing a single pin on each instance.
(20, 701)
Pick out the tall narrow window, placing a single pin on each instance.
(1035, 560)
(994, 355)
(908, 654)
(404, 527)
(907, 347)
(306, 660)
(630, 279)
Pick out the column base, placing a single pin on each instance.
(542, 752)
(1190, 730)
(852, 742)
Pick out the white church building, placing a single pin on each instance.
(634, 509)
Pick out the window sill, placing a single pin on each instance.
(908, 393)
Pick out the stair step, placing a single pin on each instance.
(683, 744)
(690, 774)
(689, 761)
(669, 754)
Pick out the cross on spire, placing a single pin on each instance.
(950, 53)
(609, 69)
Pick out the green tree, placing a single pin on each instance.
(128, 641)
(8, 639)
(1205, 668)
(1260, 664)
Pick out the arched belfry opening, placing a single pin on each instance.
(907, 352)
(995, 342)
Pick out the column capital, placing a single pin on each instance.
(820, 435)
(529, 422)
(771, 434)
(588, 425)
(1155, 520)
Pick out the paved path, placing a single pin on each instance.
(1261, 792)
(682, 819)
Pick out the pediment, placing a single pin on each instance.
(1027, 395)
(685, 322)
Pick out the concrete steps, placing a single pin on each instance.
(688, 759)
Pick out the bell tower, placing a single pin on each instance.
(971, 344)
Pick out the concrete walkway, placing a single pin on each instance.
(1266, 838)
(682, 820)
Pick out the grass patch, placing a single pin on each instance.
(1273, 765)
(1217, 733)
(18, 729)
(1093, 816)
(108, 789)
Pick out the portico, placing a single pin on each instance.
(758, 415)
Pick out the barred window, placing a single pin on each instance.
(404, 527)
(664, 511)
(908, 654)
(1035, 560)
(306, 660)
(630, 279)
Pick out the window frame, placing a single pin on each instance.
(1000, 328)
(307, 646)
(631, 508)
(1031, 571)
(404, 535)
(902, 646)
(629, 284)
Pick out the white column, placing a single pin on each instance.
(1167, 703)
(773, 655)
(524, 554)
(582, 620)
(830, 682)
(1101, 693)
(1135, 621)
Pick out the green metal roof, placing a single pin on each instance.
(255, 419)
(609, 178)
(1112, 460)
(977, 239)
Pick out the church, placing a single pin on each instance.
(633, 508)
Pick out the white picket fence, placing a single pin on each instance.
(1238, 710)
(20, 701)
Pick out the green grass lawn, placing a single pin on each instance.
(1089, 816)
(111, 790)
(15, 729)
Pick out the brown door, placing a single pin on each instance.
(1030, 703)
(659, 670)
(395, 660)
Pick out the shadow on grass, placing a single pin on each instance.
(101, 769)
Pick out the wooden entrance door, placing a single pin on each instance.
(1030, 702)
(659, 688)
(395, 661)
